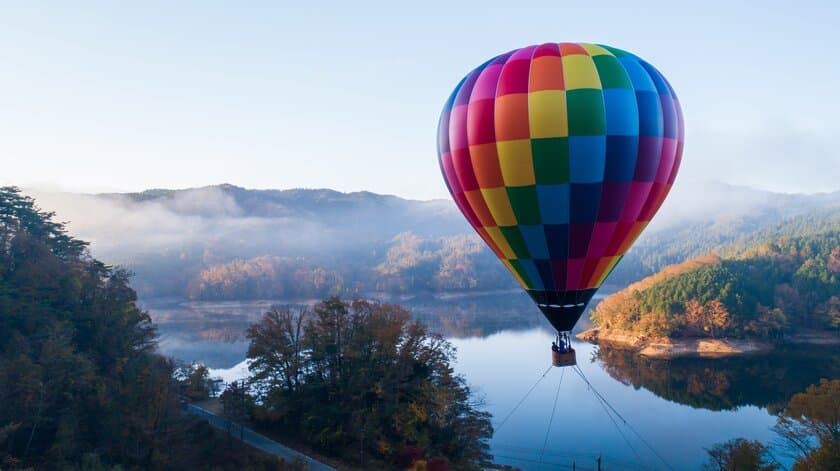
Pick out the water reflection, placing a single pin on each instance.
(210, 333)
(213, 332)
(680, 406)
(502, 367)
(474, 315)
(725, 383)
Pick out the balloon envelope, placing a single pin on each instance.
(559, 155)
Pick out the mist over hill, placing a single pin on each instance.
(227, 242)
(719, 218)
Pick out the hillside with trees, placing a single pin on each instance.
(768, 290)
(727, 231)
(410, 264)
(229, 243)
(81, 384)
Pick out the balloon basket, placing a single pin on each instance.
(566, 358)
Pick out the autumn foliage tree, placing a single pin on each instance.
(706, 319)
(365, 382)
(810, 426)
(740, 454)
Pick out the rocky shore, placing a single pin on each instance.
(696, 347)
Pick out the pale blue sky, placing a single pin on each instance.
(97, 96)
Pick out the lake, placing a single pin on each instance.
(673, 409)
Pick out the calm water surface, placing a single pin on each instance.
(678, 407)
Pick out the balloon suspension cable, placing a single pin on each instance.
(551, 419)
(521, 401)
(604, 406)
(608, 407)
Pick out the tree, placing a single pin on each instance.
(740, 454)
(81, 386)
(790, 301)
(810, 427)
(694, 317)
(833, 263)
(237, 404)
(710, 318)
(768, 323)
(276, 353)
(367, 382)
(195, 382)
(718, 316)
(829, 311)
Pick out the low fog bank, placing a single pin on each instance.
(242, 223)
(224, 242)
(694, 200)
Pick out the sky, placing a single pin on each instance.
(107, 96)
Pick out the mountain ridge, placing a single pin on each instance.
(172, 239)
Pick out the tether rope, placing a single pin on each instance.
(521, 401)
(604, 401)
(551, 419)
(617, 427)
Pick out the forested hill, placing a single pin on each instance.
(787, 282)
(227, 242)
(81, 385)
(732, 221)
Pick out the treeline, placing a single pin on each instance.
(362, 382)
(776, 287)
(726, 236)
(265, 277)
(408, 263)
(81, 386)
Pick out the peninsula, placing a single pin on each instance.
(782, 290)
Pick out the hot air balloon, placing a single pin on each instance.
(559, 155)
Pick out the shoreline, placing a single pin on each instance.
(668, 348)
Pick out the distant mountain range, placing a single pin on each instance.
(227, 242)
